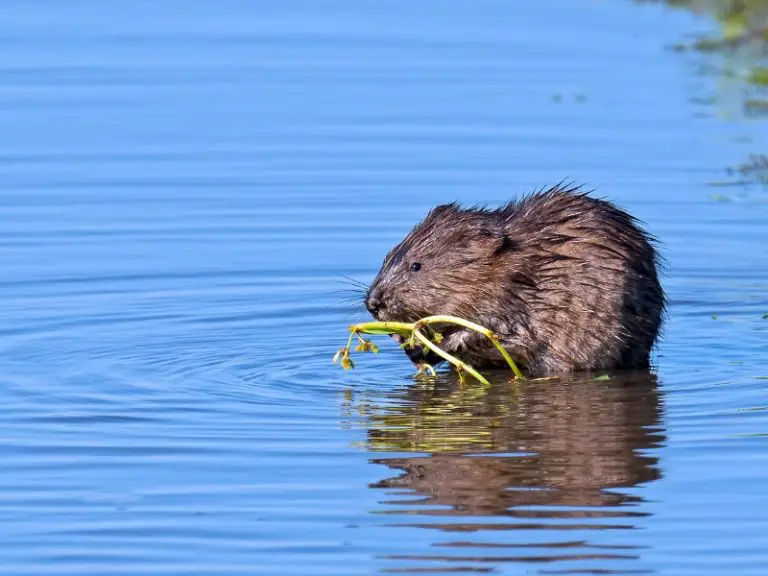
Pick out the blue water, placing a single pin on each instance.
(184, 187)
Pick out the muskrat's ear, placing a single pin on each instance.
(502, 243)
(495, 241)
(505, 244)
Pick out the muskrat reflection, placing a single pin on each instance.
(557, 443)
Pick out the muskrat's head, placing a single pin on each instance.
(448, 264)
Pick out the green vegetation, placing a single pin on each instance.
(742, 25)
(741, 41)
(413, 334)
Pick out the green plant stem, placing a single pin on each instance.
(351, 337)
(382, 328)
(477, 328)
(414, 330)
(445, 356)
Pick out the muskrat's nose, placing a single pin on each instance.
(374, 303)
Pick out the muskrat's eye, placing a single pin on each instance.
(415, 267)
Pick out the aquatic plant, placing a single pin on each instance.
(414, 334)
(740, 41)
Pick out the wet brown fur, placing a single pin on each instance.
(568, 281)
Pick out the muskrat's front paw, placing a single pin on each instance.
(420, 355)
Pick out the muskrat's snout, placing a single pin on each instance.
(374, 301)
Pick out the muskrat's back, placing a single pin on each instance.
(568, 281)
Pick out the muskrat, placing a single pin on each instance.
(568, 282)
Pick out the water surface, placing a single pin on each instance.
(183, 187)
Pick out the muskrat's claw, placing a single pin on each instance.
(419, 355)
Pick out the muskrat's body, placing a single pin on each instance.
(569, 282)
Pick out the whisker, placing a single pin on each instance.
(350, 302)
(348, 291)
(349, 296)
(352, 288)
(354, 311)
(354, 282)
